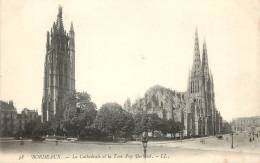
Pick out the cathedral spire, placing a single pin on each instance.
(196, 57)
(59, 20)
(48, 41)
(205, 68)
(71, 27)
(71, 35)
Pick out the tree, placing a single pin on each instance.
(164, 126)
(32, 128)
(172, 127)
(154, 122)
(82, 116)
(129, 125)
(138, 127)
(179, 127)
(127, 105)
(112, 119)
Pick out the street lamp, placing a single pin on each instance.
(145, 141)
(145, 130)
(232, 144)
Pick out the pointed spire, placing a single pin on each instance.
(196, 45)
(204, 53)
(60, 11)
(196, 57)
(48, 40)
(205, 67)
(71, 36)
(59, 19)
(71, 27)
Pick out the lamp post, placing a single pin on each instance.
(232, 143)
(145, 141)
(145, 130)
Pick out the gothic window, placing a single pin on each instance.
(60, 75)
(192, 87)
(195, 86)
(198, 85)
(65, 73)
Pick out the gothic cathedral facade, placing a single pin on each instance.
(202, 117)
(195, 108)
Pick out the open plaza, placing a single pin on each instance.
(210, 149)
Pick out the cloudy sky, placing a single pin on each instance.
(124, 47)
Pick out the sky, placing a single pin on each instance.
(125, 47)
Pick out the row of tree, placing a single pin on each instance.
(111, 120)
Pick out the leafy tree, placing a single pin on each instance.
(32, 128)
(148, 122)
(138, 129)
(83, 115)
(179, 127)
(172, 127)
(164, 126)
(154, 122)
(127, 104)
(92, 134)
(112, 119)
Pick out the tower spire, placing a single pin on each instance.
(205, 67)
(59, 19)
(196, 57)
(71, 27)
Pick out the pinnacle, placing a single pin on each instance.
(60, 11)
(71, 27)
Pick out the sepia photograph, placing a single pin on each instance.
(130, 81)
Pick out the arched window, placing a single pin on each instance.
(60, 75)
(65, 74)
(192, 87)
(195, 86)
(198, 85)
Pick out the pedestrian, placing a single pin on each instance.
(250, 139)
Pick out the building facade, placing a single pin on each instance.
(8, 118)
(59, 70)
(12, 122)
(27, 116)
(246, 124)
(195, 108)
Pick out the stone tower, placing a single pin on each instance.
(201, 101)
(59, 70)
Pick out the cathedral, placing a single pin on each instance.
(201, 116)
(195, 108)
(59, 70)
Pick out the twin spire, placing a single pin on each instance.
(199, 64)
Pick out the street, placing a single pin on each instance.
(188, 150)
